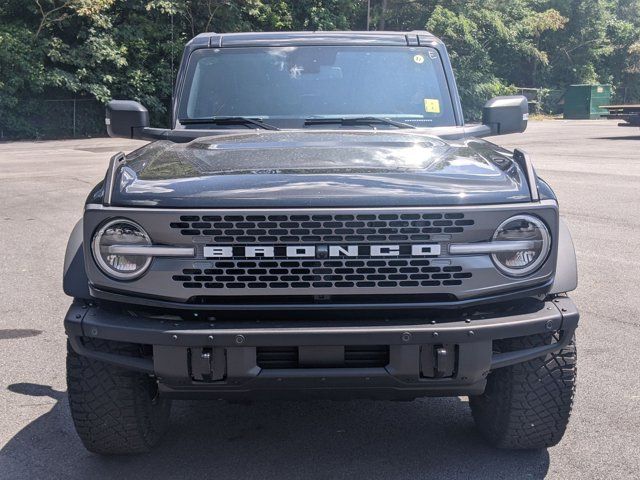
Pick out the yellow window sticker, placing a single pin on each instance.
(418, 58)
(432, 105)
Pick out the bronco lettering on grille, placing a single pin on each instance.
(322, 251)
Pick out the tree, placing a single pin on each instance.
(493, 45)
(103, 49)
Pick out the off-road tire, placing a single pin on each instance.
(115, 411)
(527, 405)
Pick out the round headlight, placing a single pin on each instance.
(120, 232)
(536, 245)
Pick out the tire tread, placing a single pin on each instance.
(528, 405)
(114, 411)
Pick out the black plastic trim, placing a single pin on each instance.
(94, 321)
(75, 282)
(110, 178)
(130, 363)
(537, 291)
(112, 325)
(511, 358)
(566, 277)
(236, 344)
(524, 161)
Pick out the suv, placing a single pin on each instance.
(319, 221)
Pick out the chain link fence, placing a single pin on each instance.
(543, 100)
(71, 118)
(84, 117)
(68, 118)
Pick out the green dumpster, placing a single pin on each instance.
(584, 101)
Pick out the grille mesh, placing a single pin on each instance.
(286, 228)
(366, 356)
(277, 357)
(321, 273)
(355, 356)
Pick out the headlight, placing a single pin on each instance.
(121, 233)
(536, 242)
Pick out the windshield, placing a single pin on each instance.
(286, 85)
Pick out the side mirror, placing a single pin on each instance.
(506, 114)
(126, 118)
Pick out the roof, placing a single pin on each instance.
(416, 37)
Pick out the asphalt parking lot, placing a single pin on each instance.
(594, 168)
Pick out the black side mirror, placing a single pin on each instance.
(126, 118)
(506, 114)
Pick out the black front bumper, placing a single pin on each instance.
(194, 358)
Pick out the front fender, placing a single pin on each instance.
(566, 278)
(74, 280)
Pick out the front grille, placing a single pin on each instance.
(287, 228)
(366, 356)
(322, 273)
(277, 357)
(321, 255)
(355, 356)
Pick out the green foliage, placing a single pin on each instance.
(102, 49)
(493, 45)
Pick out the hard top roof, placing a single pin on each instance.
(416, 37)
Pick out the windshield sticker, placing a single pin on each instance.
(432, 105)
(418, 58)
(296, 71)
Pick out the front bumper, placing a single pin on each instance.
(195, 358)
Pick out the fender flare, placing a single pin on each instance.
(566, 278)
(75, 282)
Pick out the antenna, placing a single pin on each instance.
(173, 77)
(368, 13)
(172, 45)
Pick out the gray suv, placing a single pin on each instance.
(319, 222)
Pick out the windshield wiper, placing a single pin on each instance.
(356, 121)
(228, 121)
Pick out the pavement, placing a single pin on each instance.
(594, 167)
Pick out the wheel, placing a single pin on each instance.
(527, 405)
(115, 411)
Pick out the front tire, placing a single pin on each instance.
(527, 405)
(115, 411)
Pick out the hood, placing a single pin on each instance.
(318, 169)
